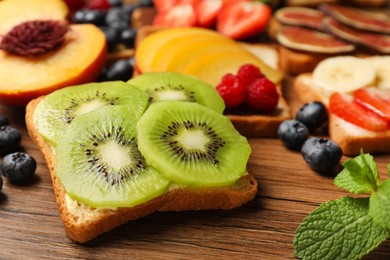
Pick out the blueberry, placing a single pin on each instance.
(18, 167)
(9, 139)
(321, 154)
(120, 70)
(118, 18)
(313, 115)
(97, 17)
(115, 3)
(3, 120)
(293, 134)
(111, 37)
(127, 37)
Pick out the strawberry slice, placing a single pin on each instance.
(243, 19)
(162, 5)
(207, 12)
(344, 107)
(374, 100)
(177, 16)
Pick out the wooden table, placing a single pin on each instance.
(30, 227)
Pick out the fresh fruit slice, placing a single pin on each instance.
(343, 106)
(375, 41)
(300, 16)
(177, 16)
(343, 74)
(211, 67)
(382, 68)
(163, 86)
(243, 19)
(207, 12)
(57, 111)
(372, 99)
(162, 5)
(78, 60)
(99, 164)
(182, 56)
(310, 40)
(147, 49)
(192, 145)
(164, 54)
(13, 13)
(359, 19)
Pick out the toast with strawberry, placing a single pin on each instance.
(359, 116)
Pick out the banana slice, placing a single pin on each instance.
(344, 74)
(382, 68)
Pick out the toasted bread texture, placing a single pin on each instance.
(349, 137)
(83, 223)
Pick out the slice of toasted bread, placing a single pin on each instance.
(351, 138)
(256, 125)
(83, 223)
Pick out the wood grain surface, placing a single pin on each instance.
(30, 227)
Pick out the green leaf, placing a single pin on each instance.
(339, 229)
(360, 175)
(380, 205)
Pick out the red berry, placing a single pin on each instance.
(248, 73)
(98, 4)
(231, 90)
(262, 95)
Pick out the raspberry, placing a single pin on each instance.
(231, 90)
(261, 94)
(98, 4)
(248, 73)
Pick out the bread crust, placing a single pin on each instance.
(349, 137)
(83, 223)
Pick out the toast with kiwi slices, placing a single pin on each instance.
(116, 155)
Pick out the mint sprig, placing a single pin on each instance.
(348, 228)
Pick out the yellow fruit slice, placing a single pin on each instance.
(164, 54)
(212, 67)
(183, 56)
(14, 12)
(148, 47)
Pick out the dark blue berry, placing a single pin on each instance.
(293, 134)
(97, 17)
(3, 120)
(321, 154)
(115, 3)
(118, 19)
(18, 167)
(313, 115)
(120, 70)
(111, 37)
(127, 37)
(9, 139)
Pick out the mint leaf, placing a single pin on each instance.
(339, 229)
(380, 205)
(360, 175)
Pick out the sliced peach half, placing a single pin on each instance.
(164, 54)
(184, 55)
(79, 59)
(14, 12)
(150, 45)
(212, 67)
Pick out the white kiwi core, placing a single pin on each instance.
(89, 106)
(193, 139)
(114, 155)
(171, 95)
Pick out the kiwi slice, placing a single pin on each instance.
(58, 109)
(99, 164)
(191, 144)
(163, 86)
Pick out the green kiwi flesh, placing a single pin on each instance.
(58, 109)
(163, 86)
(191, 144)
(99, 164)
